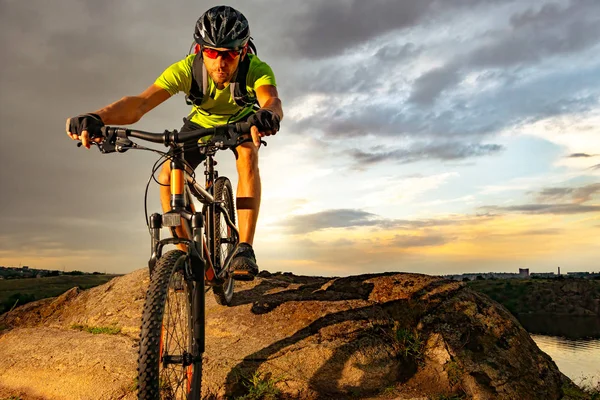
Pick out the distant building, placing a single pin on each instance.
(524, 272)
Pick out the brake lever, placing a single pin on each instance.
(79, 144)
(121, 145)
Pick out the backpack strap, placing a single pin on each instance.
(238, 88)
(199, 74)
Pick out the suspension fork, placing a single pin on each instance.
(210, 175)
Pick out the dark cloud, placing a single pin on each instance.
(329, 28)
(396, 53)
(431, 84)
(594, 167)
(558, 209)
(572, 195)
(554, 194)
(430, 151)
(347, 218)
(556, 200)
(532, 36)
(539, 33)
(580, 155)
(586, 193)
(330, 219)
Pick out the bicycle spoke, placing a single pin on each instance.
(176, 339)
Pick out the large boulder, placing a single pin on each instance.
(380, 336)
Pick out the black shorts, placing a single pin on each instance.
(191, 152)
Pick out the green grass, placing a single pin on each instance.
(97, 330)
(454, 372)
(21, 291)
(261, 387)
(408, 342)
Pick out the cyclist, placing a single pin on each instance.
(222, 37)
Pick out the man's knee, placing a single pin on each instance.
(164, 177)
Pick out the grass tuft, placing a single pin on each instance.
(261, 387)
(96, 330)
(408, 343)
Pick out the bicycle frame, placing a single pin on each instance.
(183, 213)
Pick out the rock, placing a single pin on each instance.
(380, 336)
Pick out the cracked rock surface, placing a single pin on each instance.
(379, 336)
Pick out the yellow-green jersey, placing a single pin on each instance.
(217, 107)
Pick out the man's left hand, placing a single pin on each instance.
(264, 123)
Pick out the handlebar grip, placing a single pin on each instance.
(243, 127)
(114, 130)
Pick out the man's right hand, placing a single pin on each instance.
(85, 127)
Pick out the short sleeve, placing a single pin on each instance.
(259, 74)
(178, 77)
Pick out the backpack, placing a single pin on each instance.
(239, 91)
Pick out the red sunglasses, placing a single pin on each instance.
(213, 53)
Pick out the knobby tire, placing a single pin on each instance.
(167, 333)
(223, 237)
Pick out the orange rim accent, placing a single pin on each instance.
(210, 272)
(160, 346)
(189, 373)
(176, 181)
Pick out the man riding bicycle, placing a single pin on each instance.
(223, 82)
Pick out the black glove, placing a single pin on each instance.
(265, 120)
(86, 122)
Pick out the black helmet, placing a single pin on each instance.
(222, 26)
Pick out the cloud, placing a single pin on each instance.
(330, 219)
(554, 194)
(353, 218)
(585, 194)
(431, 84)
(580, 155)
(557, 209)
(556, 200)
(426, 151)
(572, 195)
(531, 36)
(328, 28)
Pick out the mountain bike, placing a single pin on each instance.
(172, 337)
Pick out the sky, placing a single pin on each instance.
(430, 136)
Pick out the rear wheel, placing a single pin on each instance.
(225, 240)
(166, 365)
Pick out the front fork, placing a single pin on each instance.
(196, 273)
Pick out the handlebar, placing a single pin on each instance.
(223, 136)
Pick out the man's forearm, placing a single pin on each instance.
(274, 104)
(122, 112)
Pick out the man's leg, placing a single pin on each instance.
(248, 190)
(248, 205)
(165, 197)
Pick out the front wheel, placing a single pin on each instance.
(224, 240)
(167, 367)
